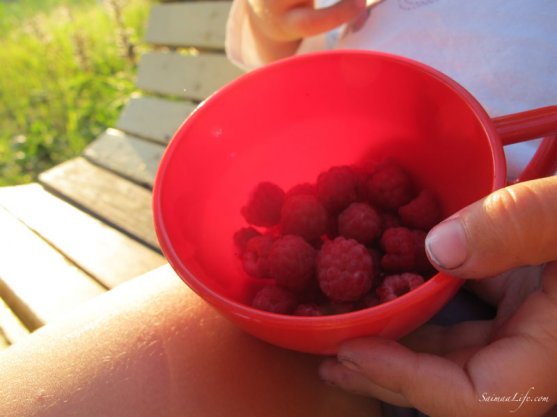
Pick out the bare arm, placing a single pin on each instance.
(152, 348)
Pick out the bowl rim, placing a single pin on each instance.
(439, 282)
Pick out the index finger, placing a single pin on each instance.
(308, 21)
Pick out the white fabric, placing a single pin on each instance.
(503, 51)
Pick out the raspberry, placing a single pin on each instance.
(394, 286)
(275, 300)
(421, 262)
(242, 236)
(370, 300)
(376, 258)
(332, 227)
(389, 186)
(352, 240)
(308, 310)
(362, 176)
(359, 221)
(304, 188)
(255, 257)
(303, 215)
(264, 205)
(337, 188)
(399, 244)
(313, 294)
(342, 307)
(389, 220)
(344, 269)
(423, 212)
(291, 262)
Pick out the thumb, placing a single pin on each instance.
(514, 226)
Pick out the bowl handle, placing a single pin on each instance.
(532, 124)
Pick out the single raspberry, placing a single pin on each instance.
(242, 236)
(394, 286)
(255, 257)
(291, 262)
(423, 212)
(275, 299)
(311, 310)
(264, 205)
(337, 188)
(399, 244)
(344, 269)
(361, 222)
(390, 186)
(303, 215)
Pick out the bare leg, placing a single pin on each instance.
(152, 348)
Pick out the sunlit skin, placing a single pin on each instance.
(151, 347)
(463, 369)
(282, 24)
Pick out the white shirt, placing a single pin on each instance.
(504, 52)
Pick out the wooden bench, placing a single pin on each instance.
(86, 225)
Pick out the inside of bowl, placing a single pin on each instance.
(290, 121)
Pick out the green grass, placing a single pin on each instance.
(65, 75)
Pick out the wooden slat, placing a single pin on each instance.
(199, 24)
(36, 281)
(11, 326)
(127, 155)
(110, 256)
(118, 201)
(153, 117)
(189, 76)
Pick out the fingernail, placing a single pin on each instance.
(446, 244)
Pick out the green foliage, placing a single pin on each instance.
(66, 70)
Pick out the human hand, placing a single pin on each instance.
(479, 368)
(293, 20)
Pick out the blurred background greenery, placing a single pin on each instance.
(66, 69)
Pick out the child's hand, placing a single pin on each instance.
(482, 368)
(292, 20)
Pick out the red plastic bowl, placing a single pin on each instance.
(291, 120)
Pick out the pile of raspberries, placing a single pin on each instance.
(351, 240)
